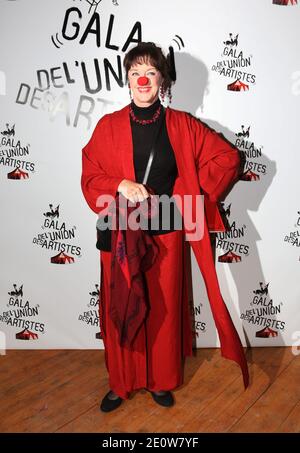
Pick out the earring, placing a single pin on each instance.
(130, 94)
(169, 95)
(162, 93)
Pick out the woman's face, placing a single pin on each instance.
(144, 95)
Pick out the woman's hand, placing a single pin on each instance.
(133, 191)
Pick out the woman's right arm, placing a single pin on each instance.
(94, 180)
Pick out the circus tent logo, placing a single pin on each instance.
(285, 2)
(251, 155)
(264, 313)
(26, 335)
(229, 257)
(14, 155)
(266, 332)
(57, 237)
(235, 65)
(237, 85)
(231, 241)
(21, 314)
(91, 315)
(293, 237)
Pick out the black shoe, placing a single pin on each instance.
(108, 404)
(164, 400)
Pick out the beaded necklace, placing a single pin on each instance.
(148, 121)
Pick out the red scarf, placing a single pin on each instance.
(133, 252)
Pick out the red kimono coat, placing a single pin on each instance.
(206, 165)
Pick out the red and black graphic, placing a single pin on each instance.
(231, 241)
(62, 258)
(235, 65)
(26, 335)
(264, 313)
(229, 257)
(17, 174)
(293, 237)
(285, 2)
(91, 315)
(250, 156)
(249, 175)
(20, 314)
(12, 154)
(266, 332)
(56, 236)
(237, 85)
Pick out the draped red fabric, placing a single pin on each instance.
(133, 253)
(156, 358)
(207, 164)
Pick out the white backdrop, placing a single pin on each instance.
(245, 85)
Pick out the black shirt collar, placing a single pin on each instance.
(145, 112)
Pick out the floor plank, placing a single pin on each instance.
(60, 391)
(275, 403)
(229, 406)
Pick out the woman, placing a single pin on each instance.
(191, 160)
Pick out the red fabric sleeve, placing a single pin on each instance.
(218, 162)
(94, 180)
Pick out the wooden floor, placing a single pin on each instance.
(60, 391)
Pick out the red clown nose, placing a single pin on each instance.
(143, 80)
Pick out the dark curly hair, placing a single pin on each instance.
(148, 51)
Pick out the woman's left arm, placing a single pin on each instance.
(218, 161)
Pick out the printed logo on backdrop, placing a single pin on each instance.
(82, 25)
(198, 325)
(21, 314)
(235, 64)
(252, 156)
(293, 237)
(93, 4)
(91, 315)
(285, 2)
(14, 154)
(264, 314)
(232, 242)
(56, 236)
